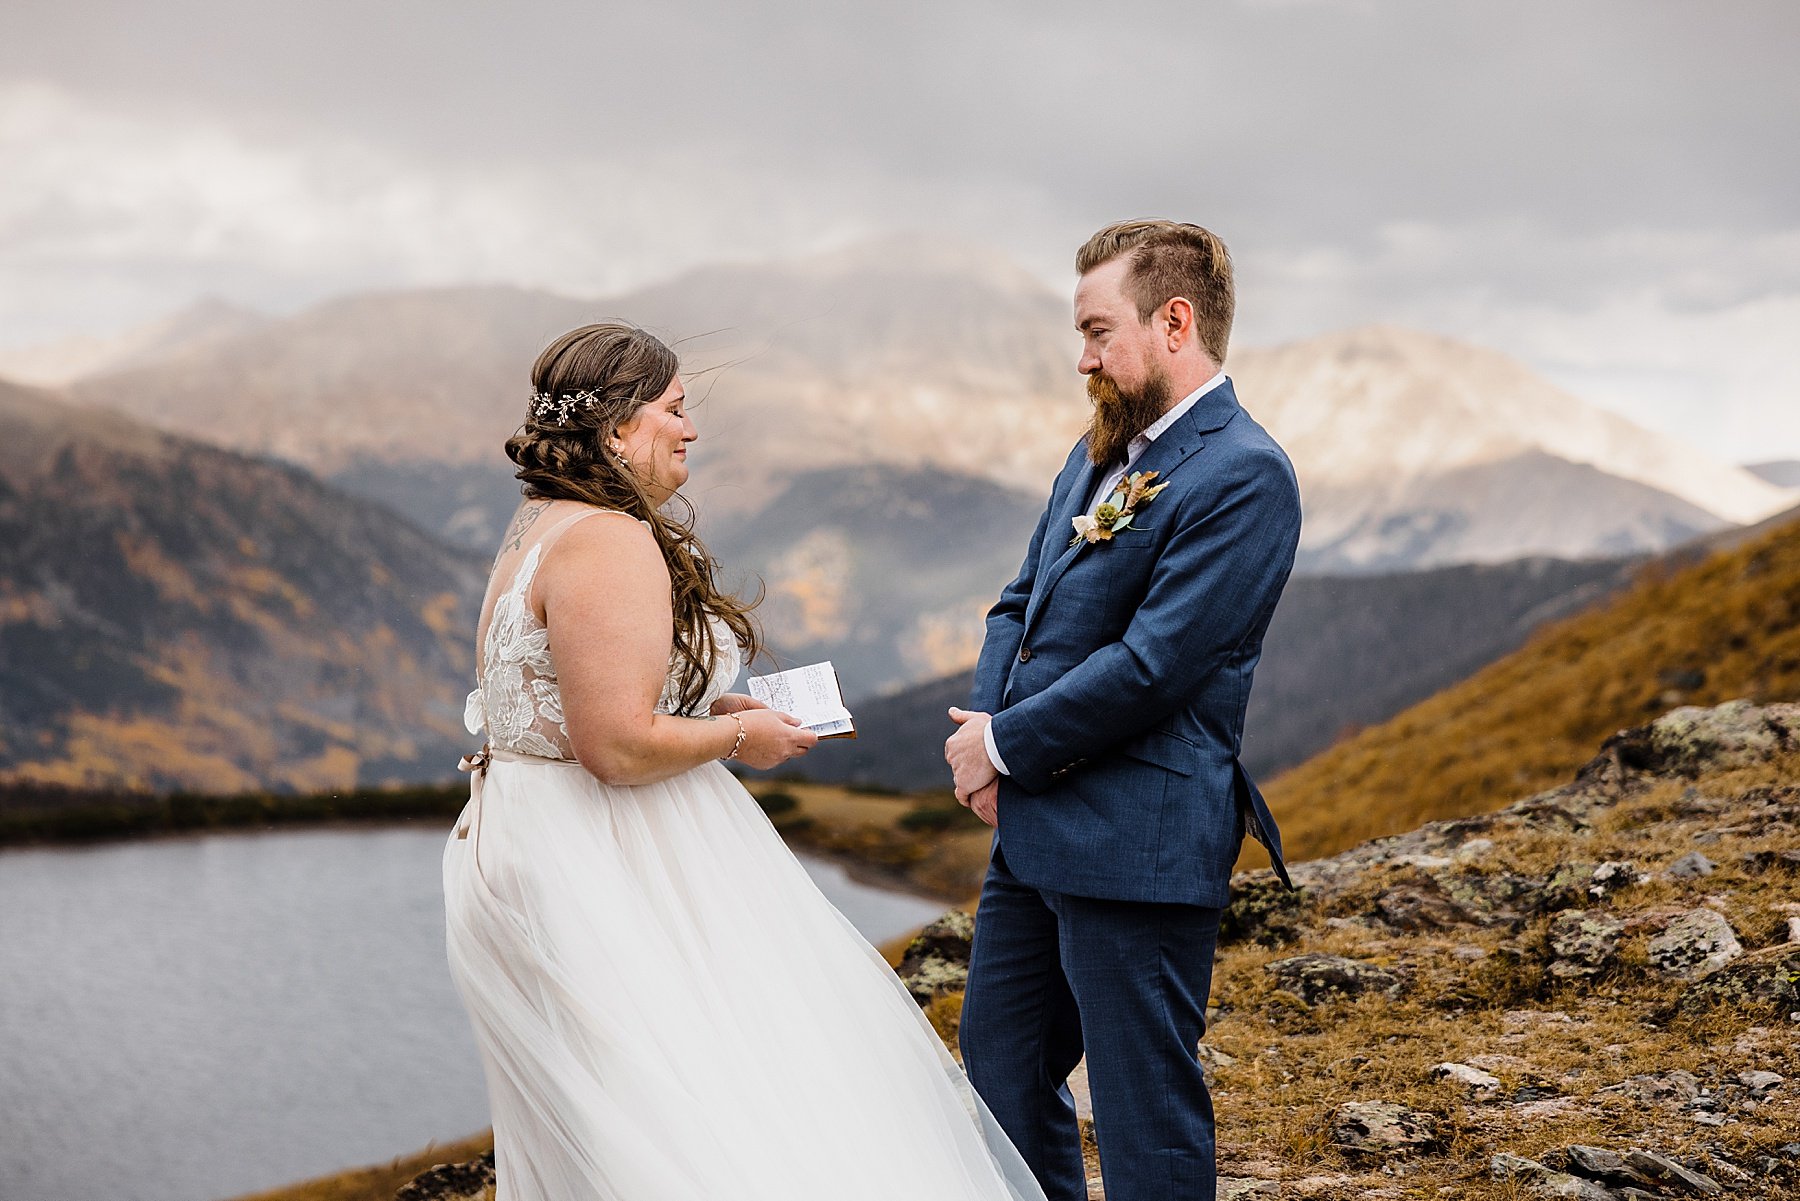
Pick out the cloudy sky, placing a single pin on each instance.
(1607, 189)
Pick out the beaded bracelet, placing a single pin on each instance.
(742, 734)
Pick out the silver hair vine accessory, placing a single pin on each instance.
(543, 404)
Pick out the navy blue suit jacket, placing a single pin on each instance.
(1118, 672)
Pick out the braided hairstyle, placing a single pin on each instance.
(587, 384)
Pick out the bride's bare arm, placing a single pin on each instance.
(605, 595)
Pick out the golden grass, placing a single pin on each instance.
(382, 1181)
(1296, 1063)
(1525, 723)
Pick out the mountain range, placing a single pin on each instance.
(177, 616)
(1413, 450)
(879, 427)
(53, 364)
(1783, 473)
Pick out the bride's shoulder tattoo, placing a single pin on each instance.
(515, 537)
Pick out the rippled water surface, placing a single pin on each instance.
(189, 1019)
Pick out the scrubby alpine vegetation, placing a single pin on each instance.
(1593, 993)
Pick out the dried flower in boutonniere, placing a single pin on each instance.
(1116, 514)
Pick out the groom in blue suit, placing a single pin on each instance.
(1103, 733)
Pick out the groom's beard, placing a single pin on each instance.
(1120, 416)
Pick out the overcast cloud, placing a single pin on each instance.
(1606, 189)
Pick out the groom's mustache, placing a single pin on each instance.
(1120, 416)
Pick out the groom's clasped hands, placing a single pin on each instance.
(977, 780)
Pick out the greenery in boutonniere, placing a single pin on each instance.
(1133, 492)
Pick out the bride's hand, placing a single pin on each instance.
(771, 738)
(734, 702)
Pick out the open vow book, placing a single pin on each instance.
(809, 693)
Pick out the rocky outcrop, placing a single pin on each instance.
(1553, 1000)
(471, 1181)
(1696, 943)
(1314, 978)
(1683, 744)
(1765, 983)
(1620, 944)
(936, 961)
(1382, 1128)
(1583, 943)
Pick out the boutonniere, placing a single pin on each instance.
(1134, 492)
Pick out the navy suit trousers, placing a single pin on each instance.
(1053, 975)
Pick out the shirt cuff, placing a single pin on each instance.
(987, 736)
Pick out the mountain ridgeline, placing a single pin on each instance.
(877, 440)
(1413, 450)
(175, 616)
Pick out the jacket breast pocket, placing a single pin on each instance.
(1167, 751)
(1127, 539)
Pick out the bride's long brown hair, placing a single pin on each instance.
(563, 455)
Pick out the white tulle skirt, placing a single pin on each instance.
(668, 1009)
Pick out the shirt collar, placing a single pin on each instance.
(1161, 424)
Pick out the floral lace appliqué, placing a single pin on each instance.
(517, 698)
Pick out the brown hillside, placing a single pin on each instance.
(1723, 628)
(177, 617)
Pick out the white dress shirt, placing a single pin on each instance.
(1133, 452)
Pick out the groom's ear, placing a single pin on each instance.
(1176, 322)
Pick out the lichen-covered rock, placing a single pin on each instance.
(471, 1181)
(1690, 740)
(1560, 1184)
(1761, 1084)
(1506, 1166)
(1765, 982)
(1669, 1174)
(1470, 1077)
(1607, 1167)
(1658, 1088)
(1263, 910)
(1696, 943)
(1314, 977)
(1784, 860)
(1211, 1060)
(1612, 876)
(1583, 943)
(1493, 898)
(937, 959)
(1566, 887)
(1382, 1128)
(1691, 866)
(949, 937)
(1424, 904)
(1545, 1181)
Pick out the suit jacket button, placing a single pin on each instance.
(1024, 654)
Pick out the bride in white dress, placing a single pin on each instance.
(667, 1007)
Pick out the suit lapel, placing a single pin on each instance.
(1057, 548)
(1178, 444)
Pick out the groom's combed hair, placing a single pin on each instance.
(1170, 259)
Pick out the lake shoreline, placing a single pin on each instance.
(896, 860)
(50, 817)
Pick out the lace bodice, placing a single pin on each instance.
(517, 699)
